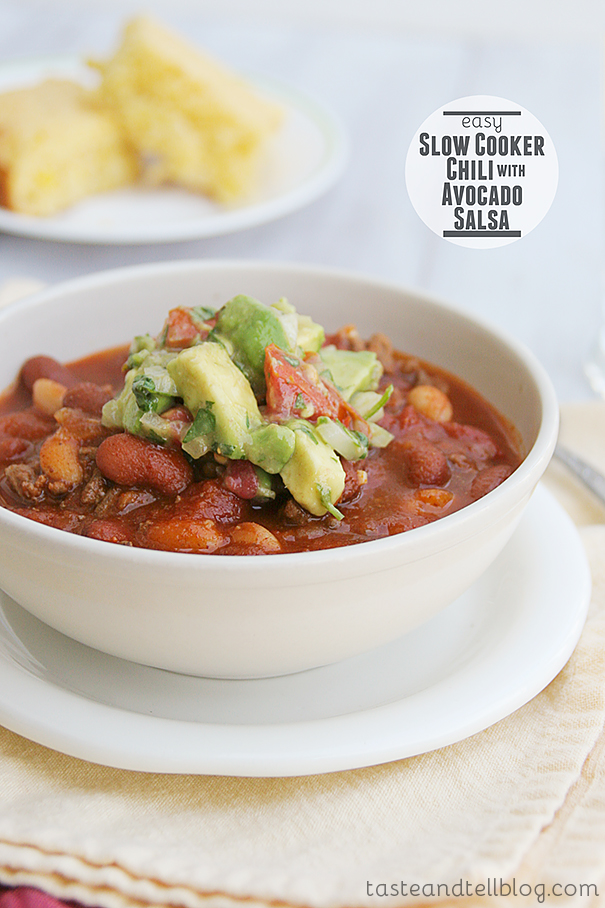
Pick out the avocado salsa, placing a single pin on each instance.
(246, 430)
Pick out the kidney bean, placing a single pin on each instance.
(489, 479)
(426, 464)
(110, 531)
(179, 413)
(12, 449)
(241, 479)
(45, 367)
(212, 501)
(27, 424)
(88, 397)
(479, 445)
(408, 420)
(182, 534)
(82, 425)
(131, 461)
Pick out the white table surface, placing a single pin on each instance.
(383, 81)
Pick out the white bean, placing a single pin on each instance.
(431, 402)
(47, 395)
(59, 461)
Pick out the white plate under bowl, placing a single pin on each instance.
(305, 158)
(486, 655)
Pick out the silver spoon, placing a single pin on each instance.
(591, 478)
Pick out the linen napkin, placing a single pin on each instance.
(512, 815)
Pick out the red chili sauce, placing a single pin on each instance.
(433, 467)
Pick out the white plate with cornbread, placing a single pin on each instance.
(86, 157)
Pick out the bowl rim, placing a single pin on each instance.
(526, 475)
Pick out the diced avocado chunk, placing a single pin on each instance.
(271, 447)
(301, 330)
(220, 399)
(352, 370)
(246, 327)
(288, 317)
(310, 335)
(314, 475)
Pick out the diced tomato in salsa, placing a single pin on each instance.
(181, 329)
(295, 389)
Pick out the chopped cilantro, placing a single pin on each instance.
(143, 388)
(363, 441)
(326, 499)
(201, 314)
(204, 422)
(380, 403)
(308, 431)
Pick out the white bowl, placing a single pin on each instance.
(238, 616)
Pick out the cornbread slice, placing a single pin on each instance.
(194, 122)
(55, 148)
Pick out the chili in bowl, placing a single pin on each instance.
(238, 469)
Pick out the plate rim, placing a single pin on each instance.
(302, 743)
(336, 153)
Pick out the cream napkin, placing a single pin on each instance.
(518, 808)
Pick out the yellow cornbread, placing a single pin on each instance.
(56, 148)
(193, 121)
